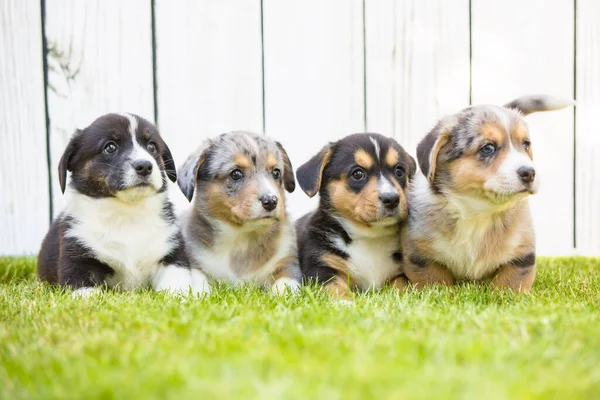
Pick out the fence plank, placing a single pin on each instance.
(523, 48)
(209, 70)
(417, 65)
(24, 199)
(100, 60)
(588, 135)
(314, 80)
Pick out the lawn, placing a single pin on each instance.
(459, 342)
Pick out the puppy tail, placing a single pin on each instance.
(530, 104)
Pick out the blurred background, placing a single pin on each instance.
(303, 71)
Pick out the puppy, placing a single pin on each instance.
(118, 228)
(469, 215)
(351, 240)
(237, 229)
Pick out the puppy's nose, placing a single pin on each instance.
(390, 200)
(527, 174)
(268, 201)
(143, 167)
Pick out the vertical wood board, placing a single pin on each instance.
(417, 65)
(314, 78)
(100, 61)
(522, 48)
(24, 197)
(587, 170)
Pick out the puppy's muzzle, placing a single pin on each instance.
(268, 201)
(526, 174)
(389, 200)
(142, 167)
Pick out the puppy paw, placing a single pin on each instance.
(343, 302)
(172, 279)
(284, 285)
(85, 292)
(200, 284)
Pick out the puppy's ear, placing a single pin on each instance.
(429, 148)
(310, 173)
(530, 104)
(65, 164)
(191, 170)
(169, 164)
(412, 166)
(289, 182)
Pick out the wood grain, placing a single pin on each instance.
(417, 65)
(314, 77)
(587, 177)
(524, 48)
(100, 61)
(209, 73)
(24, 197)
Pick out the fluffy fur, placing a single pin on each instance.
(118, 229)
(351, 240)
(469, 215)
(237, 228)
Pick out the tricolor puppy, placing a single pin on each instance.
(237, 229)
(352, 240)
(118, 228)
(469, 216)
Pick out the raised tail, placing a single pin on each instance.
(536, 103)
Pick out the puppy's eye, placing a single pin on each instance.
(236, 174)
(151, 147)
(488, 149)
(399, 172)
(110, 147)
(526, 144)
(358, 174)
(276, 173)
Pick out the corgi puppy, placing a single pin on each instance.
(469, 217)
(237, 228)
(118, 228)
(352, 240)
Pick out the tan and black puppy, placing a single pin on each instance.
(351, 240)
(469, 215)
(237, 229)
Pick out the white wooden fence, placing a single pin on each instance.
(303, 71)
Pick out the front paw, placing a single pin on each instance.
(85, 292)
(200, 284)
(172, 279)
(284, 285)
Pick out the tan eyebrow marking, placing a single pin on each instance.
(392, 157)
(492, 133)
(271, 160)
(242, 160)
(362, 158)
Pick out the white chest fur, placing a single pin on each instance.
(470, 254)
(216, 261)
(130, 238)
(371, 263)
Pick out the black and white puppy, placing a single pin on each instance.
(118, 228)
(353, 240)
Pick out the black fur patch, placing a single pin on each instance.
(525, 261)
(418, 261)
(177, 256)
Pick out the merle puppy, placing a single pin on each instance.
(118, 228)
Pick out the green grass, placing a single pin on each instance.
(459, 342)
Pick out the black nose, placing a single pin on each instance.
(527, 174)
(390, 200)
(268, 201)
(143, 167)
